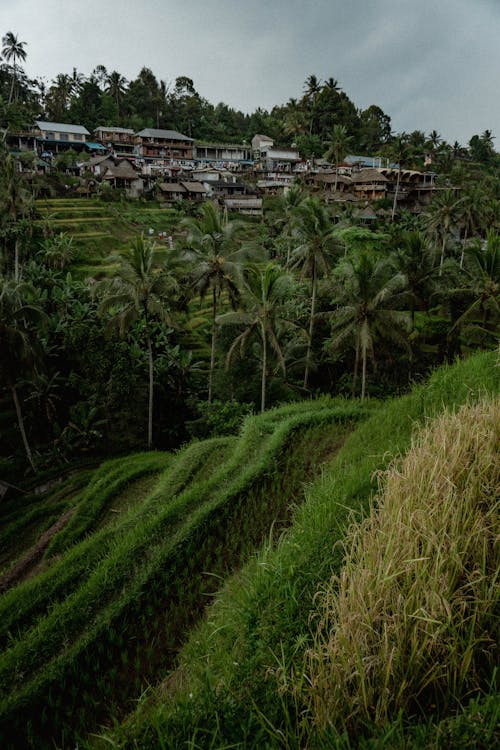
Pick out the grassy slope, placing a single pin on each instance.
(82, 638)
(230, 689)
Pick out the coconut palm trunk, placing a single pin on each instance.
(151, 388)
(20, 422)
(263, 382)
(212, 346)
(356, 366)
(363, 375)
(311, 323)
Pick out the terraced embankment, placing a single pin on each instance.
(241, 677)
(99, 228)
(125, 581)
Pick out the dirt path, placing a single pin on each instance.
(25, 566)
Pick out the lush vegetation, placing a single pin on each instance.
(257, 672)
(107, 616)
(111, 343)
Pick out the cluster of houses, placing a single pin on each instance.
(178, 167)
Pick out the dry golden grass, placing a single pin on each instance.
(411, 622)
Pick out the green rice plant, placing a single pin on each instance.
(123, 583)
(410, 622)
(107, 482)
(227, 679)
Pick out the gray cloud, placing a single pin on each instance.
(430, 65)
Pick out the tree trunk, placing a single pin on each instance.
(395, 196)
(464, 241)
(442, 255)
(356, 366)
(311, 326)
(363, 378)
(264, 371)
(20, 422)
(150, 409)
(16, 260)
(212, 350)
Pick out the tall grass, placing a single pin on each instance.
(411, 622)
(234, 685)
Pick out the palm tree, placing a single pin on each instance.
(442, 216)
(472, 215)
(15, 200)
(284, 216)
(399, 150)
(367, 293)
(116, 86)
(59, 96)
(13, 49)
(413, 259)
(213, 248)
(18, 322)
(140, 291)
(263, 294)
(312, 88)
(317, 243)
(482, 268)
(338, 146)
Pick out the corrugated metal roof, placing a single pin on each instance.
(61, 127)
(112, 129)
(95, 146)
(171, 135)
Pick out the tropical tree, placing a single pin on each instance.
(399, 151)
(116, 85)
(413, 259)
(472, 215)
(482, 289)
(13, 50)
(338, 145)
(284, 217)
(19, 322)
(442, 216)
(15, 202)
(214, 250)
(367, 293)
(316, 246)
(264, 292)
(312, 88)
(141, 291)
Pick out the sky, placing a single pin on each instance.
(429, 64)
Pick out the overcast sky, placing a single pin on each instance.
(430, 64)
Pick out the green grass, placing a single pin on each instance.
(112, 612)
(232, 685)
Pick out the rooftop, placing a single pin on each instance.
(171, 135)
(61, 127)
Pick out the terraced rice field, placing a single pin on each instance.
(142, 544)
(99, 229)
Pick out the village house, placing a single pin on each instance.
(121, 174)
(229, 155)
(190, 190)
(120, 141)
(54, 137)
(369, 183)
(249, 205)
(162, 147)
(269, 158)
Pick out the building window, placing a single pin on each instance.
(64, 136)
(77, 137)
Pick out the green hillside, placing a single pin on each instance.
(198, 572)
(240, 678)
(99, 228)
(129, 571)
